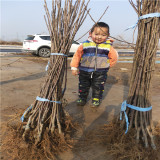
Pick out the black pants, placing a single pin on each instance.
(95, 80)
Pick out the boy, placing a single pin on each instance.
(94, 57)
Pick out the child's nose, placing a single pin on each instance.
(99, 36)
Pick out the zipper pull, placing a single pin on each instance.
(92, 75)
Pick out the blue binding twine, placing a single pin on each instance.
(47, 66)
(53, 54)
(39, 99)
(46, 100)
(150, 15)
(29, 108)
(58, 54)
(123, 110)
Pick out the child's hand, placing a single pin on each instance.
(74, 72)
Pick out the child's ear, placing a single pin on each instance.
(90, 34)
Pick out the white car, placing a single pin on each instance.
(41, 45)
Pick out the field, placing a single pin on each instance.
(10, 43)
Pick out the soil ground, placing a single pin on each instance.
(21, 80)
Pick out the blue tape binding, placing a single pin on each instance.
(39, 99)
(150, 15)
(29, 108)
(47, 66)
(58, 54)
(52, 54)
(46, 100)
(123, 110)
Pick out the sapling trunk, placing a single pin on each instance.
(47, 113)
(143, 67)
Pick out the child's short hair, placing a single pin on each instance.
(100, 24)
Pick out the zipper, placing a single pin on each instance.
(95, 67)
(91, 75)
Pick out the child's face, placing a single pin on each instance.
(99, 35)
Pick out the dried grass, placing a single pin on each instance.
(109, 136)
(125, 146)
(10, 43)
(117, 144)
(14, 147)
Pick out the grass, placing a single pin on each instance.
(10, 43)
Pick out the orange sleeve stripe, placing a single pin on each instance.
(113, 56)
(77, 57)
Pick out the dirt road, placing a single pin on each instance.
(22, 77)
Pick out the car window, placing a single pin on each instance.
(45, 38)
(74, 42)
(30, 38)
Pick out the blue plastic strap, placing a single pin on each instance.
(52, 54)
(47, 66)
(39, 99)
(29, 108)
(139, 108)
(123, 110)
(58, 54)
(150, 15)
(46, 100)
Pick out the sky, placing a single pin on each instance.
(20, 18)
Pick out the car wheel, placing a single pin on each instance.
(44, 52)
